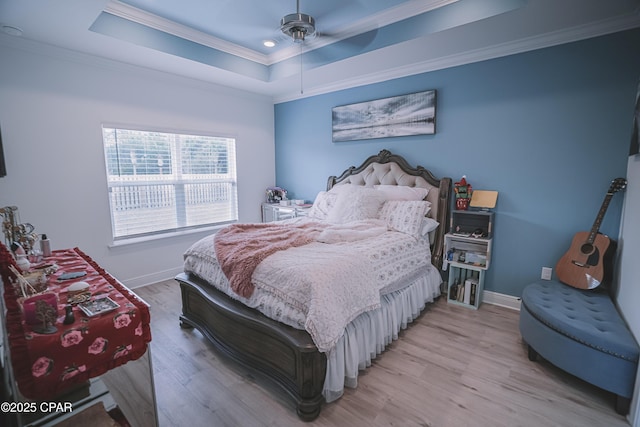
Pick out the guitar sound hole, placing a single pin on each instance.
(587, 248)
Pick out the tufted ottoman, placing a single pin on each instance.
(582, 333)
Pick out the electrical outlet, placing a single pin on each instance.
(546, 273)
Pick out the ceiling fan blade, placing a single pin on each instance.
(361, 40)
(329, 48)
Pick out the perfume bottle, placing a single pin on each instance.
(45, 246)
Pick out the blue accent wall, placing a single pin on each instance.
(548, 129)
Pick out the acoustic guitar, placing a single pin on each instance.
(583, 265)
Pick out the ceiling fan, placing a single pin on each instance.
(298, 25)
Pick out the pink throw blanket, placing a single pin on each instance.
(241, 247)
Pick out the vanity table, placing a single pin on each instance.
(102, 356)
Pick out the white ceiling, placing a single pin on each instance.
(359, 41)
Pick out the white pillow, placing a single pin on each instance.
(429, 226)
(402, 192)
(355, 204)
(405, 216)
(341, 188)
(322, 205)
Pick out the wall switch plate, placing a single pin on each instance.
(546, 273)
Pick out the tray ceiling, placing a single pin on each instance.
(357, 41)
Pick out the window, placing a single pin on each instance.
(164, 182)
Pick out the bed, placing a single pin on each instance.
(312, 344)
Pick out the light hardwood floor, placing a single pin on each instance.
(452, 367)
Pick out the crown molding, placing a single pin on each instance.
(384, 18)
(142, 17)
(275, 91)
(58, 53)
(554, 38)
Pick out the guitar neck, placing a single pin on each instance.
(600, 217)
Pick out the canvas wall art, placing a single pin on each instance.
(403, 115)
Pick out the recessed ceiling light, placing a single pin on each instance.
(269, 43)
(12, 31)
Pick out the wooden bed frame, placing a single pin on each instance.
(284, 355)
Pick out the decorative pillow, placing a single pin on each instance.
(402, 192)
(429, 226)
(355, 204)
(405, 216)
(322, 205)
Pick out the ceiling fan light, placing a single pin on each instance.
(298, 35)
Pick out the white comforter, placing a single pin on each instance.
(322, 286)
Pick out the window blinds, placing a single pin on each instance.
(165, 182)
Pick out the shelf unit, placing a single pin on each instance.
(468, 257)
(466, 222)
(472, 279)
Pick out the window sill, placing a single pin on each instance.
(151, 238)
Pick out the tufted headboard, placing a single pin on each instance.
(392, 169)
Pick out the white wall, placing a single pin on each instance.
(629, 274)
(52, 105)
(629, 287)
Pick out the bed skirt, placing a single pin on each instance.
(368, 334)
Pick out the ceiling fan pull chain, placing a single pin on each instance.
(299, 26)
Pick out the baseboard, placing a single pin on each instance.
(148, 279)
(503, 300)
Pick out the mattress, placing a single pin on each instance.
(386, 262)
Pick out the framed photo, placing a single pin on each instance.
(101, 304)
(403, 115)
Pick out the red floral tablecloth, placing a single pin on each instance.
(46, 365)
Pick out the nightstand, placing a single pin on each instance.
(276, 212)
(468, 256)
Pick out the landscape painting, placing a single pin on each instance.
(413, 114)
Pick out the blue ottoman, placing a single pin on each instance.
(581, 332)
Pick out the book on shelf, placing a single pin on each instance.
(460, 296)
(474, 291)
(467, 291)
(469, 284)
(453, 291)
